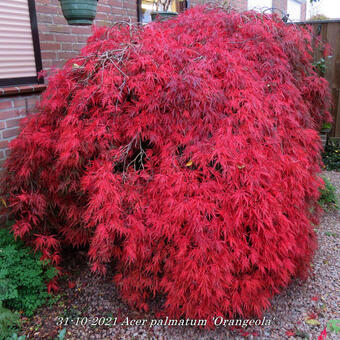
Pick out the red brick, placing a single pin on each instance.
(102, 7)
(67, 47)
(116, 12)
(31, 101)
(103, 22)
(77, 47)
(3, 144)
(59, 20)
(59, 63)
(46, 2)
(47, 64)
(44, 28)
(116, 3)
(82, 38)
(13, 123)
(50, 46)
(2, 154)
(65, 38)
(44, 18)
(48, 55)
(47, 37)
(19, 102)
(81, 30)
(10, 133)
(6, 104)
(60, 29)
(129, 5)
(2, 125)
(100, 16)
(9, 114)
(65, 55)
(45, 9)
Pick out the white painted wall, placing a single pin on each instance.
(260, 5)
(330, 8)
(294, 10)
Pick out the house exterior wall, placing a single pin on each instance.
(59, 41)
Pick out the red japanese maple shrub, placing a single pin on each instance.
(185, 152)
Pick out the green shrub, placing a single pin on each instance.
(331, 157)
(328, 198)
(23, 276)
(9, 322)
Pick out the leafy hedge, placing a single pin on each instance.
(23, 277)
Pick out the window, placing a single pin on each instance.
(294, 10)
(145, 7)
(20, 58)
(260, 5)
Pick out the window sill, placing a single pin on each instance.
(21, 89)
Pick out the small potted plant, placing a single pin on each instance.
(164, 13)
(324, 131)
(326, 128)
(79, 12)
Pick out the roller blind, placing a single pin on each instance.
(17, 59)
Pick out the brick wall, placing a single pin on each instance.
(59, 41)
(12, 110)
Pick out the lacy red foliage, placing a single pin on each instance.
(186, 152)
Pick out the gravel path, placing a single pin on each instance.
(302, 311)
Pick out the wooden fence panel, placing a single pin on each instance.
(329, 32)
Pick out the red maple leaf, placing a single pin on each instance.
(71, 284)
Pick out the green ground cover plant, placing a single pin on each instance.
(328, 198)
(23, 277)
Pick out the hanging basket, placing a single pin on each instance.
(162, 15)
(79, 12)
